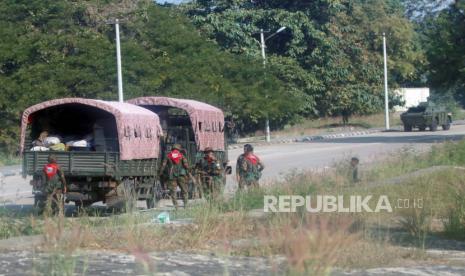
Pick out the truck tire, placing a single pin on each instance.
(407, 128)
(422, 128)
(447, 126)
(434, 125)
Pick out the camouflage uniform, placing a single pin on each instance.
(248, 168)
(55, 184)
(177, 172)
(211, 173)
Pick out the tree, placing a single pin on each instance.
(330, 56)
(444, 42)
(52, 49)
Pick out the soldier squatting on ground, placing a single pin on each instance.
(55, 185)
(211, 174)
(248, 168)
(175, 168)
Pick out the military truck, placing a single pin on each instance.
(111, 151)
(118, 162)
(426, 115)
(192, 124)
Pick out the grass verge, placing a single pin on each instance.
(424, 206)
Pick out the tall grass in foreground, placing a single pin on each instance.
(310, 243)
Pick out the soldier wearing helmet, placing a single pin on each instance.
(211, 173)
(248, 168)
(176, 168)
(54, 184)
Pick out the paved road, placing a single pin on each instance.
(281, 159)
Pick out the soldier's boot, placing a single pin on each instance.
(185, 197)
(182, 183)
(174, 198)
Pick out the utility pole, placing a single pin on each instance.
(262, 46)
(386, 97)
(116, 22)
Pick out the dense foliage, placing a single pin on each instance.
(330, 55)
(328, 61)
(52, 49)
(444, 41)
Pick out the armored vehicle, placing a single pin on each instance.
(426, 115)
(108, 151)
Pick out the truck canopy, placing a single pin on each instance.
(207, 121)
(135, 130)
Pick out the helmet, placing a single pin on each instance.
(176, 146)
(208, 149)
(248, 147)
(52, 158)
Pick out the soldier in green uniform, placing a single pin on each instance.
(354, 167)
(248, 168)
(176, 167)
(55, 184)
(211, 173)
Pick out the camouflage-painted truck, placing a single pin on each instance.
(426, 115)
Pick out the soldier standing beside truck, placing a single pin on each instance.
(175, 167)
(55, 184)
(211, 173)
(248, 168)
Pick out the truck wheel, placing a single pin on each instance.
(407, 128)
(434, 125)
(422, 128)
(447, 126)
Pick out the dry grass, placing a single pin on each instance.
(311, 244)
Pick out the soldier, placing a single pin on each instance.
(354, 167)
(248, 168)
(55, 184)
(177, 171)
(211, 173)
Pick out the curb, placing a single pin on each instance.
(315, 137)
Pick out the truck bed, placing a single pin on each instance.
(89, 163)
